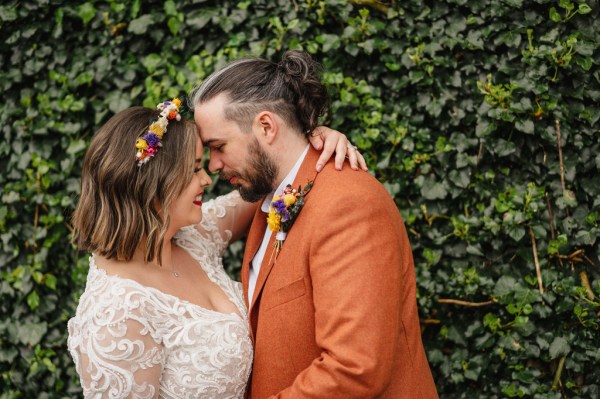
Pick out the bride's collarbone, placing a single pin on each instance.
(185, 279)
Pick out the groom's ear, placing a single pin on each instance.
(266, 127)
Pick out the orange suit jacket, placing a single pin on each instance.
(335, 315)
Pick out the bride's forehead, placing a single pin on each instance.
(199, 148)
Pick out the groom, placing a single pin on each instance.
(333, 313)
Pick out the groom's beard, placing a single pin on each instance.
(260, 175)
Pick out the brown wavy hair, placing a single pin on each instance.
(291, 88)
(123, 205)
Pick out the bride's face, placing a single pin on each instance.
(187, 208)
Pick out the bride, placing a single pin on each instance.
(159, 316)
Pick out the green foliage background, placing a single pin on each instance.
(480, 117)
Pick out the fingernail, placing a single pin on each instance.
(319, 167)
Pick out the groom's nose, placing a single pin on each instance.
(214, 163)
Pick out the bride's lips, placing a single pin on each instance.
(198, 200)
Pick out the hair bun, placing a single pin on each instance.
(295, 64)
(302, 75)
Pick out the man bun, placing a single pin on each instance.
(302, 74)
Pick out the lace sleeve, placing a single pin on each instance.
(115, 354)
(222, 216)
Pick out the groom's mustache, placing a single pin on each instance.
(228, 175)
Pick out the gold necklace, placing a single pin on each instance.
(174, 272)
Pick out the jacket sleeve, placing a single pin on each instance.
(356, 266)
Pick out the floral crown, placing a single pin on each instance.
(147, 145)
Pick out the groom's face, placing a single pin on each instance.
(238, 156)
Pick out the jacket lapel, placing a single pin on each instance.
(305, 174)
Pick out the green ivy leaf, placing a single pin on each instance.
(76, 147)
(135, 8)
(559, 347)
(554, 15)
(58, 17)
(140, 25)
(584, 8)
(433, 190)
(8, 13)
(504, 147)
(170, 8)
(86, 12)
(174, 25)
(585, 62)
(505, 285)
(31, 333)
(525, 126)
(33, 300)
(50, 281)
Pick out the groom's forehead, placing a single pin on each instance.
(222, 133)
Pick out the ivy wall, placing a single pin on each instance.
(480, 117)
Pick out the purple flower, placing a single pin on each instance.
(279, 205)
(152, 139)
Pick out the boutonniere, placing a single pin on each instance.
(283, 212)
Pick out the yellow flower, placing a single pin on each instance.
(289, 199)
(157, 129)
(177, 102)
(141, 144)
(273, 220)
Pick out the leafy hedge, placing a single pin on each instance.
(480, 117)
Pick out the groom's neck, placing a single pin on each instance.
(288, 150)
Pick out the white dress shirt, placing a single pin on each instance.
(260, 254)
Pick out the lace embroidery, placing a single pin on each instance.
(128, 340)
(213, 221)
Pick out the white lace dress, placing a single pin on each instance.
(126, 335)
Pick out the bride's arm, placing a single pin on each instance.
(120, 359)
(331, 141)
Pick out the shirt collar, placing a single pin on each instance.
(289, 179)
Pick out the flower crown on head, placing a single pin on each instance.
(147, 145)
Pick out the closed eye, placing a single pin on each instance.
(198, 166)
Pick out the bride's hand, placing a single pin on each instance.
(333, 141)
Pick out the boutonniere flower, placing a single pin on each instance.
(283, 212)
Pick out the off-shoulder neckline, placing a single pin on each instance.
(159, 292)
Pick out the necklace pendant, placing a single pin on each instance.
(175, 274)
